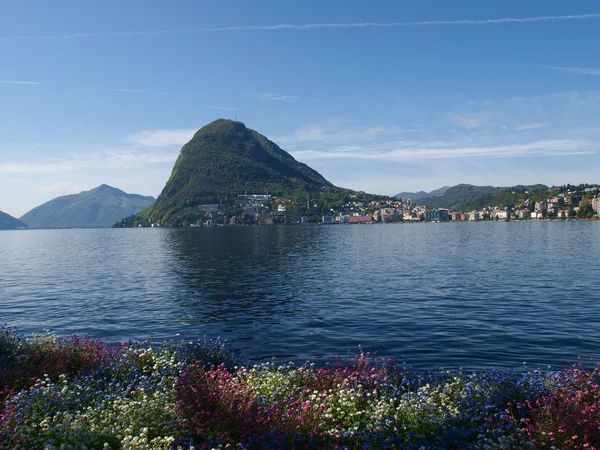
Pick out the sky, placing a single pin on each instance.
(380, 96)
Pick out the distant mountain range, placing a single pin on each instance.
(98, 208)
(421, 194)
(469, 197)
(8, 222)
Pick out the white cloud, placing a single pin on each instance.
(531, 126)
(134, 159)
(20, 82)
(59, 186)
(109, 159)
(469, 122)
(12, 168)
(161, 138)
(277, 97)
(394, 152)
(332, 133)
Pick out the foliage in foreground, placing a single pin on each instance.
(82, 393)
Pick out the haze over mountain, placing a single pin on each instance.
(97, 208)
(225, 159)
(8, 222)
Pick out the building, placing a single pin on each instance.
(437, 215)
(501, 214)
(360, 219)
(537, 215)
(255, 199)
(473, 216)
(209, 208)
(327, 219)
(596, 205)
(391, 215)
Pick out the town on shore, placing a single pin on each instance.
(564, 202)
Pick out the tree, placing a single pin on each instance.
(585, 209)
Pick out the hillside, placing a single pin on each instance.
(509, 196)
(421, 194)
(468, 196)
(8, 222)
(98, 208)
(225, 159)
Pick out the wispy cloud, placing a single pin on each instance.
(277, 97)
(405, 24)
(59, 186)
(161, 138)
(333, 133)
(224, 107)
(531, 126)
(576, 70)
(110, 159)
(12, 168)
(469, 122)
(141, 91)
(20, 82)
(309, 26)
(396, 152)
(170, 93)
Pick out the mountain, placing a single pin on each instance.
(97, 208)
(8, 222)
(469, 197)
(223, 160)
(421, 194)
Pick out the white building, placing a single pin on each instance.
(596, 205)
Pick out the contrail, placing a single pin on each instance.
(309, 26)
(19, 82)
(577, 70)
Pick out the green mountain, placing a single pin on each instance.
(8, 222)
(510, 196)
(225, 159)
(468, 197)
(98, 208)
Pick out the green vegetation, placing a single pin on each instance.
(585, 208)
(509, 197)
(97, 208)
(8, 222)
(468, 197)
(225, 159)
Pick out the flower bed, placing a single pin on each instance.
(83, 393)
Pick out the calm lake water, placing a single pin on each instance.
(471, 295)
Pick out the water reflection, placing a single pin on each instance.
(472, 295)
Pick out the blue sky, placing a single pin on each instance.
(382, 96)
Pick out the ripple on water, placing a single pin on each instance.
(472, 295)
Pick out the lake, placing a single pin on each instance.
(472, 295)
